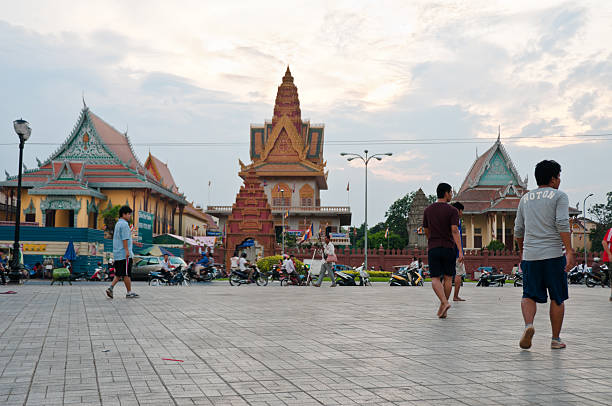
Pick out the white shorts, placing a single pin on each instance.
(460, 268)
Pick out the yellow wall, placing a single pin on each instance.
(188, 223)
(480, 221)
(114, 196)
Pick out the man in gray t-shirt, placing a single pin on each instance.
(542, 230)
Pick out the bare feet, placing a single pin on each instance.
(443, 310)
(458, 299)
(528, 333)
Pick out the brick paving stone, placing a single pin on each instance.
(295, 346)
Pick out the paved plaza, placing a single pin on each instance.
(297, 346)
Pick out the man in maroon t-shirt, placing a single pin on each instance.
(441, 224)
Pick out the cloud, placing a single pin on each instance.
(417, 70)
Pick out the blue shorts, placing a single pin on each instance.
(547, 274)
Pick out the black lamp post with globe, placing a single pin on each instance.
(23, 130)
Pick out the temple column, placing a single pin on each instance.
(504, 228)
(472, 231)
(489, 235)
(181, 207)
(495, 226)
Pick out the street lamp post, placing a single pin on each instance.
(283, 217)
(23, 130)
(585, 229)
(366, 160)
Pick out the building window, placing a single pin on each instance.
(30, 217)
(281, 195)
(477, 238)
(306, 195)
(70, 218)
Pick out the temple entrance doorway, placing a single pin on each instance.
(252, 248)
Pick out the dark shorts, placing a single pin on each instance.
(545, 275)
(123, 267)
(441, 262)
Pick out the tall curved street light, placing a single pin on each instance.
(366, 160)
(585, 229)
(23, 130)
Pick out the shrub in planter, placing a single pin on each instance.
(265, 264)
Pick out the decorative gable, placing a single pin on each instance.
(497, 172)
(84, 144)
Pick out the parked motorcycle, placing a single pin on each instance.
(406, 277)
(238, 277)
(518, 279)
(491, 279)
(576, 276)
(99, 274)
(601, 277)
(179, 277)
(79, 276)
(345, 279)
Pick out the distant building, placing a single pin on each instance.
(93, 169)
(287, 157)
(578, 227)
(491, 193)
(7, 205)
(416, 236)
(195, 222)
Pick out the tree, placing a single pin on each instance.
(382, 226)
(603, 216)
(110, 215)
(290, 240)
(396, 216)
(496, 245)
(376, 239)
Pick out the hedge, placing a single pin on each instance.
(373, 274)
(265, 264)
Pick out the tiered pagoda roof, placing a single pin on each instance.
(287, 145)
(492, 184)
(95, 156)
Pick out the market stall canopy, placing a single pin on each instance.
(173, 239)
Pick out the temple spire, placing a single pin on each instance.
(498, 132)
(287, 102)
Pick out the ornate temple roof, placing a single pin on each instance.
(94, 156)
(161, 172)
(496, 163)
(492, 183)
(287, 146)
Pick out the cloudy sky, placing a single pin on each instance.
(443, 75)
